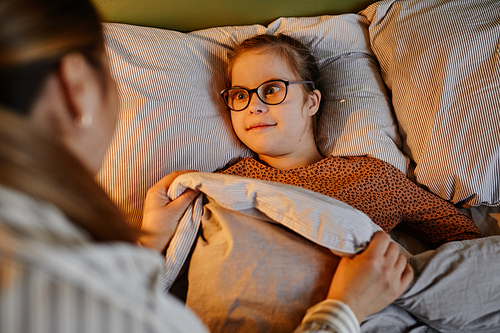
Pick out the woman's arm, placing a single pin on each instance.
(329, 316)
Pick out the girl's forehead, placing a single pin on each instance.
(254, 67)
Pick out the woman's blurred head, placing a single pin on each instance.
(53, 70)
(58, 110)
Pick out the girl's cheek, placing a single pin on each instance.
(236, 120)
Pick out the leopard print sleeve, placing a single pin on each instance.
(427, 216)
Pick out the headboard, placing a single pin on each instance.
(189, 15)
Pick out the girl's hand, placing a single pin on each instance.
(161, 215)
(372, 279)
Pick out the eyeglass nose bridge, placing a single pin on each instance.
(250, 93)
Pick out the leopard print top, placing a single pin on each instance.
(376, 188)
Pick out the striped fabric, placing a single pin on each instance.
(337, 317)
(172, 116)
(441, 61)
(319, 218)
(54, 280)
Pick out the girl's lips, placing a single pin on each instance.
(259, 126)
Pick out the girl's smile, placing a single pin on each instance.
(260, 126)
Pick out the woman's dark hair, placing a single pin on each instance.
(34, 36)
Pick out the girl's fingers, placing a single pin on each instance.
(164, 183)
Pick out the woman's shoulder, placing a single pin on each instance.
(44, 253)
(31, 218)
(44, 235)
(119, 280)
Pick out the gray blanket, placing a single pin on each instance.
(456, 289)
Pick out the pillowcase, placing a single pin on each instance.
(440, 61)
(172, 117)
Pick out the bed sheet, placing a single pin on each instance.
(240, 257)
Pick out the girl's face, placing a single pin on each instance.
(283, 130)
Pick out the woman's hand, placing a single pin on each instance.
(372, 279)
(161, 215)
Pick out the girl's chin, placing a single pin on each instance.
(266, 152)
(263, 145)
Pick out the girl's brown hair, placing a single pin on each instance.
(34, 36)
(298, 57)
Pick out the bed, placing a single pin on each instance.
(415, 83)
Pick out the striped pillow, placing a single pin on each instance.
(172, 117)
(440, 60)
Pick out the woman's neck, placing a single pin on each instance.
(291, 161)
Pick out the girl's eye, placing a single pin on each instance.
(271, 90)
(239, 95)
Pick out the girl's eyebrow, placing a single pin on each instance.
(271, 79)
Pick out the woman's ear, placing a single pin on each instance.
(81, 88)
(313, 101)
(67, 98)
(78, 105)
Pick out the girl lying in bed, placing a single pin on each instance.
(274, 101)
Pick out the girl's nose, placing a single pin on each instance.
(256, 105)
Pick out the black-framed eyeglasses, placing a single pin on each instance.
(271, 92)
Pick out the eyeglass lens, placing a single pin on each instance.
(273, 92)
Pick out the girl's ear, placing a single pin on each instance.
(313, 101)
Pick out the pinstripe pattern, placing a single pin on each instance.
(441, 60)
(298, 209)
(172, 117)
(335, 314)
(64, 283)
(182, 241)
